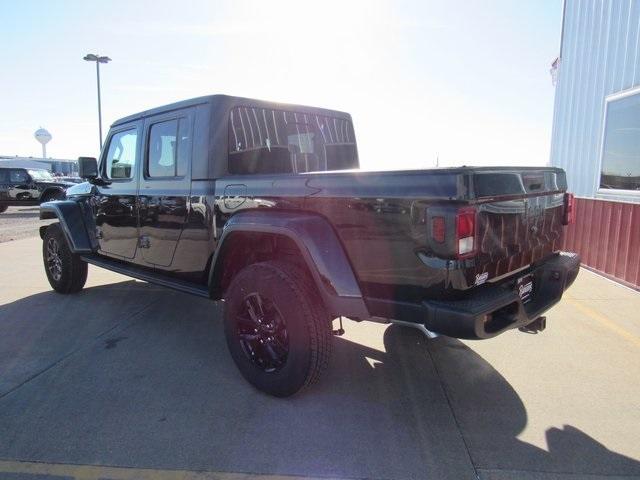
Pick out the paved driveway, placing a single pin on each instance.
(20, 222)
(127, 380)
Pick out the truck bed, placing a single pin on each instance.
(382, 219)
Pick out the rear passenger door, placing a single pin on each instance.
(165, 185)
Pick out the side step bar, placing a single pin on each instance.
(147, 276)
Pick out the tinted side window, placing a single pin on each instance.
(4, 175)
(163, 139)
(184, 145)
(121, 156)
(169, 148)
(18, 176)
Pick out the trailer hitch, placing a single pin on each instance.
(339, 332)
(538, 325)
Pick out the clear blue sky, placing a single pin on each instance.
(467, 80)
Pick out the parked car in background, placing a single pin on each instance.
(29, 186)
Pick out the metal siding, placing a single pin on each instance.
(600, 57)
(606, 234)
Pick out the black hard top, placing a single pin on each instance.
(229, 102)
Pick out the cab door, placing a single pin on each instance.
(115, 207)
(165, 185)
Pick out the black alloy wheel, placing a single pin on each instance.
(66, 271)
(53, 260)
(262, 332)
(277, 329)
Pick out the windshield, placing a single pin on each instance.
(41, 175)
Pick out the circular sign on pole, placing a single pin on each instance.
(44, 137)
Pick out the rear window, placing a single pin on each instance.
(277, 141)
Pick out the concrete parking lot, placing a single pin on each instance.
(20, 222)
(127, 380)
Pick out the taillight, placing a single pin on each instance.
(438, 229)
(569, 216)
(466, 232)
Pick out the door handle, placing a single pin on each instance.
(144, 242)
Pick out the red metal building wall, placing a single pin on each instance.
(607, 236)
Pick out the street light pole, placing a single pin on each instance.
(99, 104)
(92, 57)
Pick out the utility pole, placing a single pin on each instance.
(92, 57)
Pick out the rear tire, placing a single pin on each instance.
(66, 272)
(277, 330)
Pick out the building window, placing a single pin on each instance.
(621, 144)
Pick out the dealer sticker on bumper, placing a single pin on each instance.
(524, 286)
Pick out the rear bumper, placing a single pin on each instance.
(492, 309)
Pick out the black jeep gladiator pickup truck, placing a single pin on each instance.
(262, 205)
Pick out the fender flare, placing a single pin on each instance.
(70, 214)
(321, 251)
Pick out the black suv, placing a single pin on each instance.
(262, 205)
(21, 186)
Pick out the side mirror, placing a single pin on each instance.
(87, 168)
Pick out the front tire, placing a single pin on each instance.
(66, 272)
(277, 330)
(3, 208)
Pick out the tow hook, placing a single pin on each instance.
(339, 332)
(538, 325)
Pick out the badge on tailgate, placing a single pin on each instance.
(524, 286)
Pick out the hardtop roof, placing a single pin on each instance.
(229, 102)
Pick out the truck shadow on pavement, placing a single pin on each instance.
(130, 374)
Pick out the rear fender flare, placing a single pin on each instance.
(71, 216)
(321, 251)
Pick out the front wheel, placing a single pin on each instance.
(66, 272)
(3, 208)
(276, 327)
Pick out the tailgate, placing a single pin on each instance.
(519, 221)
